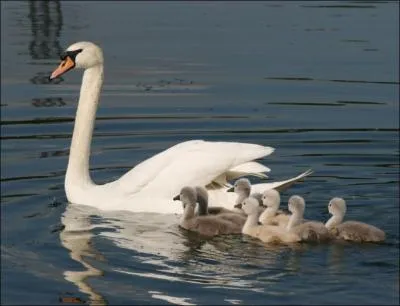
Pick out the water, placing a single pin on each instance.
(316, 80)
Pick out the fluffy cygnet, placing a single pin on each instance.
(242, 188)
(203, 208)
(272, 215)
(207, 225)
(266, 233)
(350, 230)
(219, 212)
(306, 231)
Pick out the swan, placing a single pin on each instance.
(271, 215)
(202, 207)
(208, 225)
(265, 233)
(295, 231)
(350, 230)
(306, 231)
(150, 185)
(219, 212)
(242, 188)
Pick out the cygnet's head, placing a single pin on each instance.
(296, 204)
(241, 186)
(250, 206)
(337, 207)
(187, 195)
(82, 54)
(271, 198)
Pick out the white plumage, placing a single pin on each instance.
(151, 185)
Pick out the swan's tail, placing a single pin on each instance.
(280, 185)
(251, 168)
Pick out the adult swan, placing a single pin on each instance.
(151, 185)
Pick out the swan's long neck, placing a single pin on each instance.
(334, 221)
(294, 220)
(78, 164)
(251, 221)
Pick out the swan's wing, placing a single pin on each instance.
(195, 162)
(249, 168)
(280, 185)
(153, 200)
(201, 164)
(218, 195)
(134, 180)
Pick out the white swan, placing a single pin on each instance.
(208, 225)
(350, 230)
(151, 185)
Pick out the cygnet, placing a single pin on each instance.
(350, 230)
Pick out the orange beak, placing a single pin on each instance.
(65, 65)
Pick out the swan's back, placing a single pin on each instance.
(312, 231)
(211, 226)
(358, 231)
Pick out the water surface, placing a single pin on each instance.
(316, 80)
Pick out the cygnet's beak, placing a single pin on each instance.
(232, 189)
(238, 206)
(177, 198)
(286, 211)
(66, 64)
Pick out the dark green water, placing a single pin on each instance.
(319, 81)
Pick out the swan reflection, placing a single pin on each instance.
(46, 24)
(76, 237)
(155, 248)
